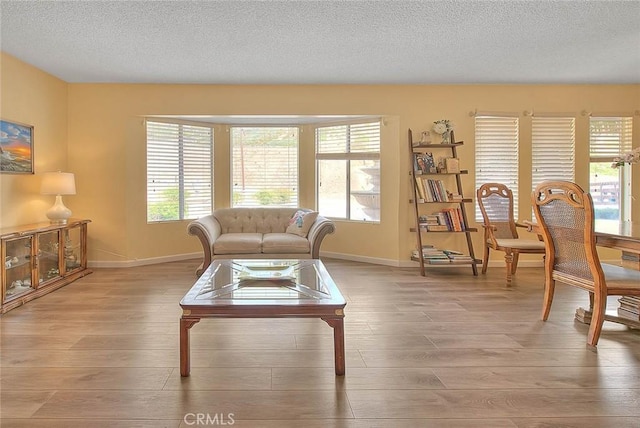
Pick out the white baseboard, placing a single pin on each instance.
(339, 256)
(143, 262)
(363, 259)
(411, 263)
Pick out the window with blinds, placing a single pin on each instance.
(610, 188)
(264, 166)
(348, 171)
(179, 171)
(553, 141)
(496, 139)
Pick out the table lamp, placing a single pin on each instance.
(58, 183)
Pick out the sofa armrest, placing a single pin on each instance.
(319, 229)
(207, 230)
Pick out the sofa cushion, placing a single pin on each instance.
(253, 220)
(301, 221)
(280, 243)
(238, 243)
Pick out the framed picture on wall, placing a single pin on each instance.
(16, 148)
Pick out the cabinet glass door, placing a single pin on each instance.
(48, 256)
(18, 262)
(72, 249)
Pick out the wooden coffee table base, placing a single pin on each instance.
(337, 323)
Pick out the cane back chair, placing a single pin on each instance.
(565, 215)
(500, 233)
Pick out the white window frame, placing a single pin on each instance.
(348, 155)
(179, 157)
(604, 147)
(496, 154)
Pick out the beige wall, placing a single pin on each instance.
(106, 149)
(32, 97)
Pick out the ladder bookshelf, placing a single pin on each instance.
(448, 214)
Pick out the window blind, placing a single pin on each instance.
(553, 142)
(609, 137)
(496, 139)
(264, 166)
(179, 171)
(353, 141)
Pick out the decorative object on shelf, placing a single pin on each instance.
(452, 165)
(443, 127)
(631, 157)
(58, 183)
(425, 139)
(16, 148)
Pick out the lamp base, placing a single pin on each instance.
(58, 213)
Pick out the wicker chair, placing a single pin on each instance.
(500, 233)
(565, 215)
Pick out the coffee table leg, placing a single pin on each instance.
(338, 343)
(185, 325)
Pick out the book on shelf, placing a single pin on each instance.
(434, 255)
(429, 227)
(420, 189)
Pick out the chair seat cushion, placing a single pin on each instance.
(620, 278)
(238, 243)
(280, 243)
(521, 244)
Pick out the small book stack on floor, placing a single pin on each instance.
(629, 307)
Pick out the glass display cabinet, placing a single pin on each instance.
(40, 258)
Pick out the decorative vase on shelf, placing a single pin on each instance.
(446, 137)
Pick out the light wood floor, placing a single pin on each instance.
(449, 350)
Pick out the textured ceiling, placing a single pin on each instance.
(323, 42)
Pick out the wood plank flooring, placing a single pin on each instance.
(448, 350)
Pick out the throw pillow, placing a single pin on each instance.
(301, 222)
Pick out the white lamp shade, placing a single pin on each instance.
(58, 183)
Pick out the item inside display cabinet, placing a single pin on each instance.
(19, 286)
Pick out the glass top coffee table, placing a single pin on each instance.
(260, 288)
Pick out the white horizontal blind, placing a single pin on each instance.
(353, 141)
(609, 137)
(179, 171)
(553, 142)
(264, 166)
(497, 154)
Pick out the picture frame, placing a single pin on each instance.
(424, 163)
(452, 165)
(16, 148)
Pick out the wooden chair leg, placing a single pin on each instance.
(549, 289)
(597, 318)
(485, 258)
(508, 258)
(514, 265)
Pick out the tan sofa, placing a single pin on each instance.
(253, 233)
